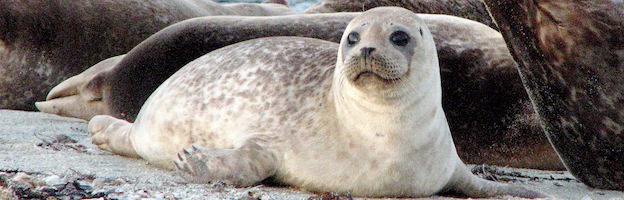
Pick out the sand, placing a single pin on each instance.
(44, 155)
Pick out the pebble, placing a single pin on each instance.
(54, 180)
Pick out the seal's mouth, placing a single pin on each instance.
(375, 69)
(365, 76)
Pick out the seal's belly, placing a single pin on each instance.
(354, 167)
(247, 88)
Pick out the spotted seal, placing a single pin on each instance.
(479, 78)
(372, 126)
(571, 58)
(45, 42)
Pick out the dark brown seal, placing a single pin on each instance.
(487, 107)
(469, 9)
(571, 56)
(45, 42)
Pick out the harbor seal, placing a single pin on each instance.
(371, 126)
(45, 42)
(125, 85)
(479, 78)
(571, 56)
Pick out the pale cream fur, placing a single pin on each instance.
(263, 109)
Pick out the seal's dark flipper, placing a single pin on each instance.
(80, 96)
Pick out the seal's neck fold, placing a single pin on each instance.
(380, 117)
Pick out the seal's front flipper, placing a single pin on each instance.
(464, 182)
(80, 96)
(243, 166)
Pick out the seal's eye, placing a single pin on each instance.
(353, 38)
(400, 38)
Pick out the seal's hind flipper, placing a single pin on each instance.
(466, 183)
(113, 135)
(80, 96)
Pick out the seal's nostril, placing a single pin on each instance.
(366, 51)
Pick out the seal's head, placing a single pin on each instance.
(387, 80)
(384, 49)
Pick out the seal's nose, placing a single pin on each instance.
(366, 51)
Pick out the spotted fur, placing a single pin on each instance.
(279, 108)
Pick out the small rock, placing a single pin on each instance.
(100, 193)
(83, 185)
(24, 180)
(21, 177)
(54, 180)
(98, 183)
(62, 138)
(119, 181)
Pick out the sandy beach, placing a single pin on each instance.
(43, 155)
